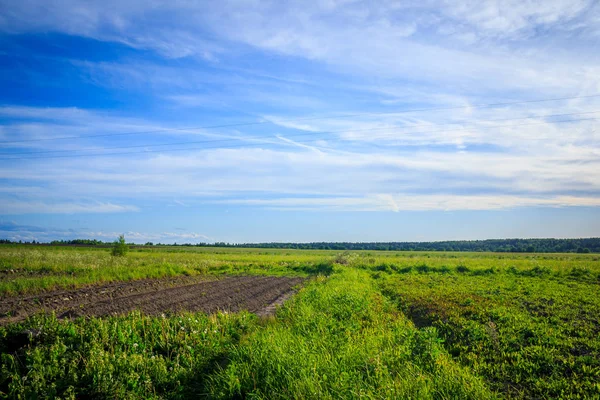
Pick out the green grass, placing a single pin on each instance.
(529, 336)
(30, 269)
(367, 324)
(340, 338)
(118, 357)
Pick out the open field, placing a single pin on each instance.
(30, 269)
(363, 324)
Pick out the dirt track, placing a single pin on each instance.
(256, 294)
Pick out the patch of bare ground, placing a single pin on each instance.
(258, 294)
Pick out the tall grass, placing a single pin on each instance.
(339, 338)
(118, 357)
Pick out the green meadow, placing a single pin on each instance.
(366, 324)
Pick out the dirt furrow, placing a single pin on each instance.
(170, 299)
(250, 293)
(155, 296)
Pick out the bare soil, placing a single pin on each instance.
(257, 294)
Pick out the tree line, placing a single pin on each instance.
(587, 245)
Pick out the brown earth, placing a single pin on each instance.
(258, 294)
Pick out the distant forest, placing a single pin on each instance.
(589, 245)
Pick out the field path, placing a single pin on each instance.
(258, 294)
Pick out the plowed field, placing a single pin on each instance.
(256, 294)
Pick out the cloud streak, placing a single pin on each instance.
(15, 232)
(28, 206)
(416, 202)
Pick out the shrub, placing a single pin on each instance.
(119, 248)
(462, 269)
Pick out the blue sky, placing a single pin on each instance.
(247, 121)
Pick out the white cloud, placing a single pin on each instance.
(534, 160)
(517, 19)
(416, 202)
(298, 125)
(12, 207)
(219, 175)
(15, 232)
(409, 40)
(34, 129)
(394, 55)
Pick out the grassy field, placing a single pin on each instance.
(366, 324)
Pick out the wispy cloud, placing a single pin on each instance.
(14, 231)
(302, 170)
(476, 40)
(20, 206)
(418, 202)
